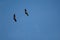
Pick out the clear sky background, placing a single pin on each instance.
(43, 22)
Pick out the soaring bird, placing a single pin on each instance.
(14, 17)
(26, 12)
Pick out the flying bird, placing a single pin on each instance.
(26, 12)
(14, 17)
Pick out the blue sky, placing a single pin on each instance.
(43, 22)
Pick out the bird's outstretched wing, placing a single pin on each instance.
(26, 12)
(14, 17)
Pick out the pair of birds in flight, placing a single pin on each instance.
(14, 16)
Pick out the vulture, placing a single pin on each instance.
(14, 17)
(26, 12)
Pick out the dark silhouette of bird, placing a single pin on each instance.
(14, 17)
(26, 12)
